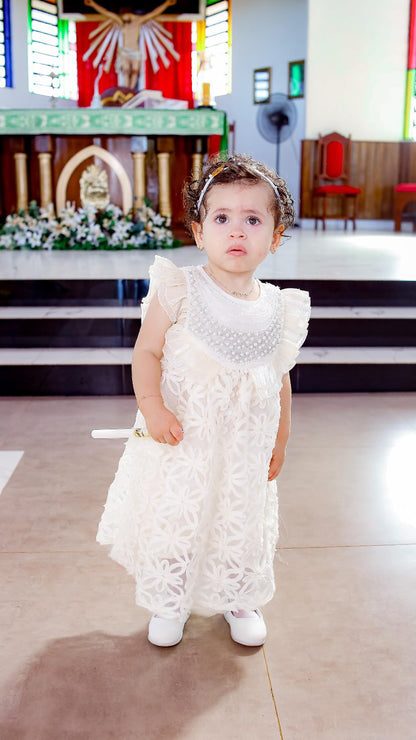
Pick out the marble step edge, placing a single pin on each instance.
(123, 356)
(134, 312)
(70, 312)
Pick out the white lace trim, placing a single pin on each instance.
(169, 283)
(241, 334)
(297, 310)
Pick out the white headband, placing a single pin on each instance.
(224, 167)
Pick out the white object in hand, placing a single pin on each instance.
(111, 433)
(118, 433)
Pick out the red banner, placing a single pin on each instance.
(174, 81)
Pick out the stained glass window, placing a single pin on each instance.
(410, 107)
(211, 57)
(52, 51)
(5, 42)
(218, 45)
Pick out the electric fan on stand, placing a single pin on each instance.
(276, 120)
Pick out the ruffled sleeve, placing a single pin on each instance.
(296, 314)
(168, 282)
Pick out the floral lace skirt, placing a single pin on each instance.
(196, 525)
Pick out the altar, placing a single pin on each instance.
(142, 153)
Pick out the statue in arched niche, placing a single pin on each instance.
(133, 38)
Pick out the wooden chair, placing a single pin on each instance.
(332, 179)
(404, 193)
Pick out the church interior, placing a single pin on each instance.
(107, 116)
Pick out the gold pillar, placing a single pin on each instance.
(163, 169)
(45, 176)
(197, 166)
(20, 162)
(139, 179)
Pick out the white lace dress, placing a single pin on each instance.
(196, 525)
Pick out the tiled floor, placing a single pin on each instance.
(340, 659)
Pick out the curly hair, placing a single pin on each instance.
(237, 168)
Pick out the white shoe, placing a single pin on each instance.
(166, 632)
(250, 630)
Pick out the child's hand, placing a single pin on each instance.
(276, 463)
(163, 426)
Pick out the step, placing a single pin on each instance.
(66, 312)
(83, 326)
(357, 356)
(98, 371)
(123, 355)
(134, 312)
(363, 312)
(72, 293)
(60, 292)
(66, 356)
(75, 337)
(118, 326)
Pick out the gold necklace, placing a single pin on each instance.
(235, 293)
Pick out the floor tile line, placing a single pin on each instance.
(272, 693)
(345, 547)
(278, 549)
(48, 552)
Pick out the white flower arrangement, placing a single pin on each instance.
(86, 228)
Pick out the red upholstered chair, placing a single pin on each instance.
(332, 179)
(404, 193)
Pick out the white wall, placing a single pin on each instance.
(18, 95)
(266, 33)
(356, 71)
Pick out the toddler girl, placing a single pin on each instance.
(192, 512)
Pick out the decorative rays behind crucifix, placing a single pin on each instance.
(154, 44)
